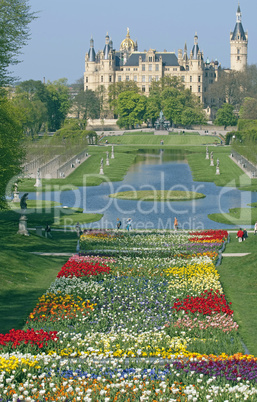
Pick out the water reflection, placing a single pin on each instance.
(156, 170)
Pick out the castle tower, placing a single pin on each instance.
(90, 60)
(238, 44)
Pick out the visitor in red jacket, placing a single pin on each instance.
(240, 234)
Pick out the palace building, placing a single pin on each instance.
(109, 66)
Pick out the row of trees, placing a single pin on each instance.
(133, 108)
(15, 17)
(43, 106)
(233, 87)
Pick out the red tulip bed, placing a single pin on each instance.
(135, 326)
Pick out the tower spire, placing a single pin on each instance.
(238, 44)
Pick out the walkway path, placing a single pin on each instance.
(234, 254)
(249, 168)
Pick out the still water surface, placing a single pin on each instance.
(155, 170)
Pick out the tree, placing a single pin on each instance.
(182, 107)
(153, 108)
(15, 17)
(192, 116)
(33, 114)
(248, 109)
(87, 105)
(32, 90)
(11, 152)
(225, 116)
(166, 82)
(58, 103)
(131, 109)
(116, 89)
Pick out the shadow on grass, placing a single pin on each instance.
(15, 307)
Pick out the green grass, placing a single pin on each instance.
(24, 276)
(230, 174)
(238, 276)
(41, 212)
(183, 139)
(157, 195)
(236, 216)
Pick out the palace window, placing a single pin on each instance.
(238, 57)
(150, 78)
(127, 77)
(86, 79)
(238, 51)
(143, 78)
(190, 88)
(150, 67)
(199, 78)
(183, 78)
(150, 58)
(86, 88)
(157, 78)
(175, 69)
(156, 67)
(119, 78)
(143, 67)
(143, 88)
(102, 78)
(110, 78)
(190, 78)
(199, 88)
(135, 77)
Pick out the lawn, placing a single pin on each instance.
(238, 276)
(41, 212)
(230, 174)
(158, 195)
(171, 139)
(237, 216)
(23, 275)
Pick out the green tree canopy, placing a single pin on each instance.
(33, 112)
(131, 108)
(15, 17)
(58, 103)
(248, 109)
(87, 105)
(116, 89)
(11, 152)
(225, 116)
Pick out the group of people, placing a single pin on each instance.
(128, 224)
(242, 234)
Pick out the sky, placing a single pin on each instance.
(60, 36)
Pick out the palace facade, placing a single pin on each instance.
(109, 66)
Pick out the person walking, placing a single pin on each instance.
(255, 228)
(48, 231)
(118, 223)
(240, 235)
(175, 224)
(129, 224)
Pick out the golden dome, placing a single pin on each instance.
(128, 43)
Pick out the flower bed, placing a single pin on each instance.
(153, 327)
